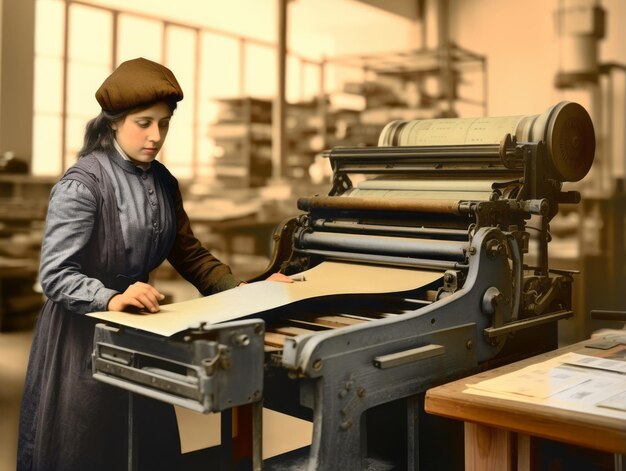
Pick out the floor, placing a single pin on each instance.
(280, 433)
(14, 347)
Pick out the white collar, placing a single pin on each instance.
(125, 157)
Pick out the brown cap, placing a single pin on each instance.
(137, 82)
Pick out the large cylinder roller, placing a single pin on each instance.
(566, 129)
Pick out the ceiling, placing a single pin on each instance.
(258, 18)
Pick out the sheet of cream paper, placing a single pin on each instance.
(617, 402)
(555, 383)
(327, 278)
(539, 381)
(587, 361)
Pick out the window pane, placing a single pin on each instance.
(46, 145)
(221, 81)
(311, 81)
(260, 71)
(74, 136)
(220, 67)
(48, 85)
(90, 35)
(178, 149)
(89, 63)
(253, 18)
(49, 21)
(82, 82)
(47, 100)
(293, 80)
(139, 37)
(302, 80)
(181, 59)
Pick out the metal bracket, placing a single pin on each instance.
(341, 184)
(221, 358)
(452, 281)
(408, 356)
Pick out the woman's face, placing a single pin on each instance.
(141, 134)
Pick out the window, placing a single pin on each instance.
(72, 60)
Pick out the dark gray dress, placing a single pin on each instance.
(109, 224)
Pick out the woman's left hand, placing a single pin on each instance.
(273, 277)
(279, 277)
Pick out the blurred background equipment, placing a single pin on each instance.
(581, 25)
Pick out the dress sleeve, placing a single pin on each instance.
(72, 210)
(194, 262)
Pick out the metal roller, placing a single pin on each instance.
(566, 129)
(427, 185)
(382, 245)
(446, 206)
(419, 195)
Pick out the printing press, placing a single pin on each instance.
(469, 199)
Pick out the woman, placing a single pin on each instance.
(115, 215)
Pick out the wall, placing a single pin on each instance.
(16, 90)
(521, 44)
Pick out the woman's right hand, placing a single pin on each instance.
(138, 296)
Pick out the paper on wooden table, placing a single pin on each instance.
(327, 278)
(557, 383)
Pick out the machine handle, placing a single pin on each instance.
(408, 356)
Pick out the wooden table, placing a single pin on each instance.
(498, 431)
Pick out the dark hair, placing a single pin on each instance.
(99, 133)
